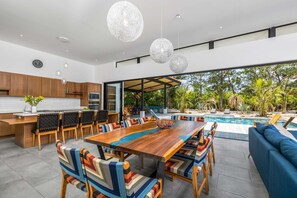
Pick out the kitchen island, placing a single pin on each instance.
(24, 123)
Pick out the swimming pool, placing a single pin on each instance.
(238, 120)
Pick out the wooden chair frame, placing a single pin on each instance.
(39, 134)
(63, 130)
(98, 125)
(64, 187)
(196, 188)
(82, 127)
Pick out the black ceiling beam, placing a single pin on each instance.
(272, 32)
(211, 45)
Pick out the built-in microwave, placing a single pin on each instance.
(94, 96)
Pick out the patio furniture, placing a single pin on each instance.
(148, 140)
(72, 171)
(154, 114)
(227, 111)
(213, 111)
(143, 120)
(86, 122)
(47, 124)
(101, 118)
(288, 122)
(188, 162)
(274, 119)
(129, 123)
(69, 122)
(115, 179)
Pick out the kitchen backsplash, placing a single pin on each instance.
(17, 104)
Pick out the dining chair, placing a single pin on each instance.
(116, 179)
(101, 118)
(72, 170)
(188, 162)
(69, 123)
(47, 124)
(111, 152)
(129, 123)
(143, 120)
(86, 122)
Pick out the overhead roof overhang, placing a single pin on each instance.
(151, 84)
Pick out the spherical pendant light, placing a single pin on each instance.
(125, 21)
(161, 50)
(178, 64)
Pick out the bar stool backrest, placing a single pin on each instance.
(70, 119)
(102, 116)
(87, 117)
(47, 122)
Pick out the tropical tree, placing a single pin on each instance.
(235, 101)
(182, 98)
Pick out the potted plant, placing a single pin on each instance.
(33, 101)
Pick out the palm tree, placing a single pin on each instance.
(235, 101)
(182, 98)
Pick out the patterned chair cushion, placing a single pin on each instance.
(143, 120)
(109, 127)
(194, 118)
(180, 166)
(154, 190)
(78, 184)
(128, 123)
(115, 179)
(70, 161)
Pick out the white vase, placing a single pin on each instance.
(33, 109)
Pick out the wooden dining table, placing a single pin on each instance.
(147, 140)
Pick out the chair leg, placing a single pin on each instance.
(33, 139)
(63, 187)
(206, 178)
(213, 154)
(63, 136)
(75, 133)
(39, 142)
(92, 131)
(209, 158)
(82, 133)
(49, 138)
(161, 190)
(56, 136)
(194, 183)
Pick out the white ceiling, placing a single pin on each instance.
(84, 23)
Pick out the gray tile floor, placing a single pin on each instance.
(32, 173)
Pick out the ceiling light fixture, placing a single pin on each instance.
(161, 49)
(58, 72)
(221, 27)
(63, 39)
(178, 16)
(21, 35)
(66, 65)
(125, 21)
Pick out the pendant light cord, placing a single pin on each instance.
(162, 2)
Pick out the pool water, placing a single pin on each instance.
(246, 121)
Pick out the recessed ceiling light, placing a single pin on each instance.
(178, 16)
(221, 27)
(63, 39)
(21, 35)
(66, 65)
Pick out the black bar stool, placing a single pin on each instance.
(70, 122)
(47, 124)
(86, 122)
(101, 118)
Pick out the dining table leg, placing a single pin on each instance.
(102, 156)
(161, 171)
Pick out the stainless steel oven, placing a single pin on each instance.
(94, 100)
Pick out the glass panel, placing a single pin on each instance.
(113, 97)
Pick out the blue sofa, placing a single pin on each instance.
(278, 173)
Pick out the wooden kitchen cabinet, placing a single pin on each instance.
(57, 88)
(46, 87)
(18, 85)
(34, 86)
(4, 81)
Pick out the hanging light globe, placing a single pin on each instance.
(125, 21)
(178, 64)
(161, 50)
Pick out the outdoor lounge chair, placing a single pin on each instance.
(154, 114)
(227, 111)
(213, 111)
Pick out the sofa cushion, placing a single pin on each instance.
(261, 127)
(288, 148)
(274, 137)
(284, 132)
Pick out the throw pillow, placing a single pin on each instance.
(288, 148)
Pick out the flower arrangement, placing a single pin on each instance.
(33, 101)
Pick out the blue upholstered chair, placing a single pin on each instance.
(129, 123)
(72, 172)
(116, 180)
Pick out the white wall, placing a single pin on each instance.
(282, 48)
(18, 59)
